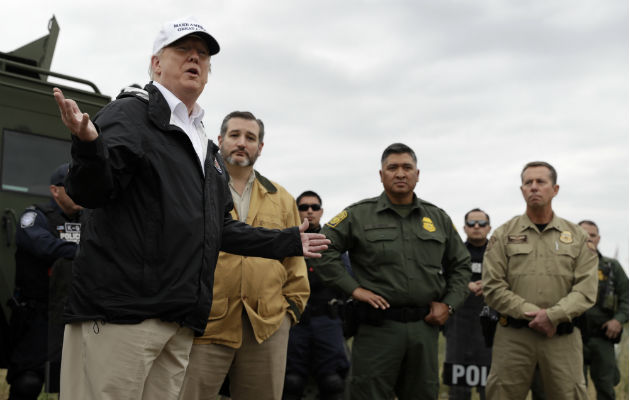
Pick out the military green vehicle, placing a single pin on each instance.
(33, 140)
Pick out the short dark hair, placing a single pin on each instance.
(476, 210)
(308, 193)
(589, 222)
(552, 170)
(398, 148)
(244, 115)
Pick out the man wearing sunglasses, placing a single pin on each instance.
(410, 269)
(467, 357)
(539, 274)
(255, 300)
(316, 343)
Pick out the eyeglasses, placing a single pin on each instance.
(474, 222)
(305, 207)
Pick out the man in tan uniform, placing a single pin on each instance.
(540, 275)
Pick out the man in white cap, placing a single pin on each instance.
(160, 212)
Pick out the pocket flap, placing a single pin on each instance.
(219, 309)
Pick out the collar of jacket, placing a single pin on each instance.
(556, 223)
(266, 183)
(159, 111)
(384, 203)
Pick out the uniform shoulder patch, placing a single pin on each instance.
(491, 242)
(28, 219)
(427, 224)
(337, 219)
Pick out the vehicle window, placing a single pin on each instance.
(28, 160)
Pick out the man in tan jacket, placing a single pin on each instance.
(255, 300)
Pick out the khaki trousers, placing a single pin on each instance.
(514, 357)
(256, 370)
(118, 362)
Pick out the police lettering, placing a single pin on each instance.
(465, 375)
(70, 232)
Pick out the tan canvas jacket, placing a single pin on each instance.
(267, 289)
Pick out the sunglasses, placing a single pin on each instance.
(474, 222)
(305, 207)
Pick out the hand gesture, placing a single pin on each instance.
(476, 287)
(541, 322)
(367, 296)
(79, 123)
(613, 328)
(312, 243)
(438, 314)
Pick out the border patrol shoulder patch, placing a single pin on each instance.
(337, 219)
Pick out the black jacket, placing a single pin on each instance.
(151, 243)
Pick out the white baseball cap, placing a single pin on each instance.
(174, 30)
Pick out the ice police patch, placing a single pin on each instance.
(28, 219)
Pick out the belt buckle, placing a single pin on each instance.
(404, 314)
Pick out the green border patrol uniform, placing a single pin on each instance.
(526, 270)
(411, 259)
(612, 303)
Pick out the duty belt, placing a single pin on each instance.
(399, 314)
(563, 328)
(406, 314)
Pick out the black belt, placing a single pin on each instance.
(563, 328)
(406, 314)
(371, 315)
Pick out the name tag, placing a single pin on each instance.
(476, 267)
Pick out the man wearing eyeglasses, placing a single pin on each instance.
(410, 269)
(255, 300)
(316, 343)
(467, 359)
(539, 274)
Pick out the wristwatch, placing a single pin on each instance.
(451, 310)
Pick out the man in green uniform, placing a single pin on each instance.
(539, 274)
(605, 320)
(410, 271)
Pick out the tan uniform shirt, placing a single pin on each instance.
(526, 270)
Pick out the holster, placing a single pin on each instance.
(488, 319)
(349, 318)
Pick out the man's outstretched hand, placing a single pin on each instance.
(78, 122)
(312, 243)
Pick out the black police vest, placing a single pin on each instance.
(32, 272)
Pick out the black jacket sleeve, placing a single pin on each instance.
(245, 240)
(101, 169)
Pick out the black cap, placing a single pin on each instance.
(57, 178)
